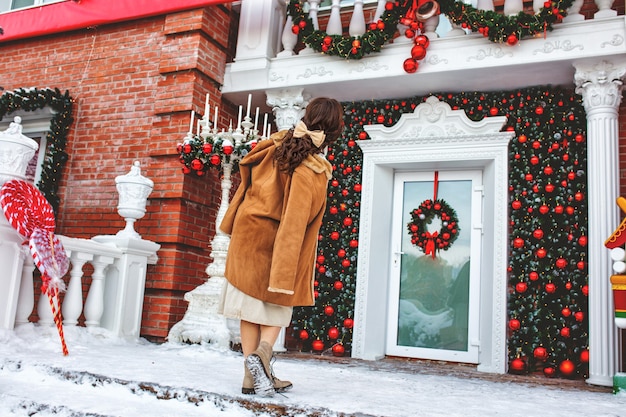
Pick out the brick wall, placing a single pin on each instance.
(135, 84)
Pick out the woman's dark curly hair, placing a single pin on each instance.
(325, 114)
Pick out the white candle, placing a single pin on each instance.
(249, 104)
(206, 106)
(264, 124)
(256, 118)
(239, 118)
(215, 119)
(191, 122)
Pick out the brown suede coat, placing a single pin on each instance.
(274, 220)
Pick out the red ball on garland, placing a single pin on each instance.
(333, 333)
(354, 243)
(511, 39)
(215, 159)
(422, 40)
(550, 288)
(540, 353)
(521, 287)
(207, 147)
(338, 285)
(518, 365)
(338, 349)
(410, 65)
(561, 263)
(418, 52)
(567, 367)
(317, 345)
(329, 310)
(518, 242)
(579, 316)
(584, 356)
(549, 371)
(514, 324)
(304, 334)
(196, 164)
(348, 323)
(516, 204)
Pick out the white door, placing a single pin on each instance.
(434, 293)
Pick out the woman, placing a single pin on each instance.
(274, 220)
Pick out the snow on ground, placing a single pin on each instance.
(104, 376)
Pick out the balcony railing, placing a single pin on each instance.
(437, 26)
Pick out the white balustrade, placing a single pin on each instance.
(432, 28)
(115, 296)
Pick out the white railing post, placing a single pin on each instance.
(512, 7)
(26, 298)
(334, 26)
(73, 300)
(357, 22)
(94, 306)
(604, 9)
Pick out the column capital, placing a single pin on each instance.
(600, 84)
(288, 105)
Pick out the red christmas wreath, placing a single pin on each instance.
(438, 240)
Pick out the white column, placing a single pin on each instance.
(288, 106)
(600, 85)
(255, 42)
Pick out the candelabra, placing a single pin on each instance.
(222, 150)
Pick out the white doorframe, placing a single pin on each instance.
(470, 221)
(432, 137)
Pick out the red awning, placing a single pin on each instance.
(71, 15)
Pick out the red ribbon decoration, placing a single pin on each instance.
(430, 243)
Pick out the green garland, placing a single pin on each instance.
(199, 155)
(55, 159)
(495, 26)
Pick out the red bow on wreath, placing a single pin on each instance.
(430, 243)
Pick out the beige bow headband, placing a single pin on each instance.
(317, 136)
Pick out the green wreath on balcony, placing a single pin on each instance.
(495, 26)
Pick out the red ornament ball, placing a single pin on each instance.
(518, 365)
(348, 323)
(215, 159)
(329, 310)
(338, 349)
(410, 65)
(579, 316)
(567, 367)
(514, 324)
(549, 371)
(518, 242)
(304, 334)
(540, 353)
(338, 285)
(422, 40)
(550, 288)
(511, 39)
(207, 147)
(418, 52)
(584, 355)
(228, 149)
(317, 345)
(333, 333)
(521, 287)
